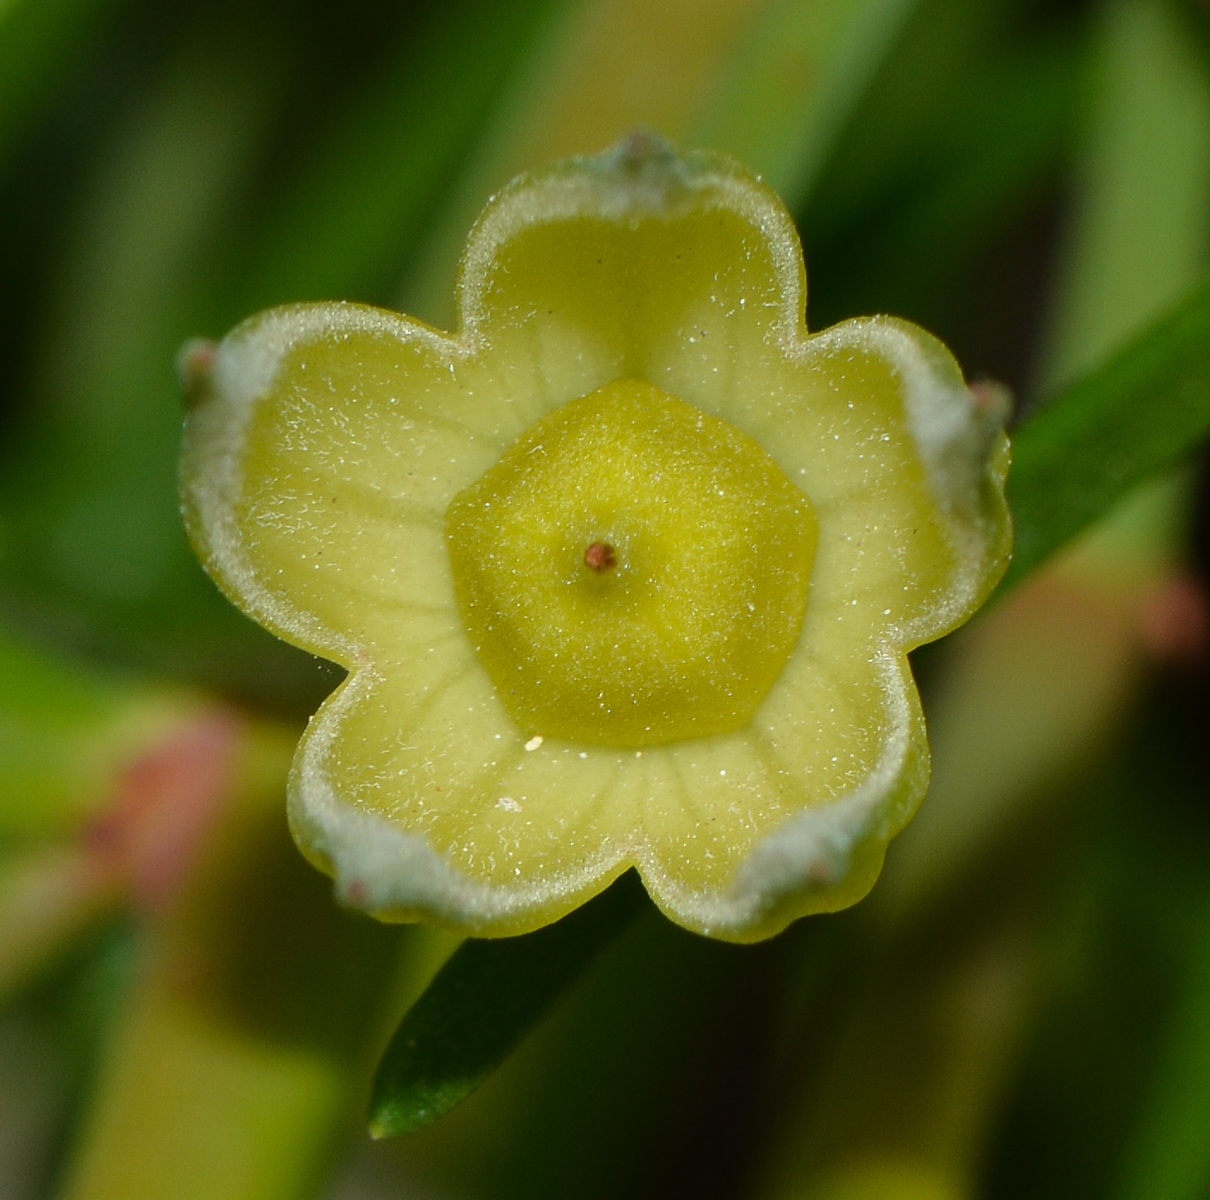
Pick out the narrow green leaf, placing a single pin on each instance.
(1136, 247)
(1145, 410)
(1139, 224)
(795, 83)
(482, 1004)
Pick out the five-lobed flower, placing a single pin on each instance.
(624, 572)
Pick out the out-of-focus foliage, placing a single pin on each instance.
(1020, 1008)
(1140, 414)
(445, 1048)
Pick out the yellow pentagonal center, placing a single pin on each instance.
(632, 570)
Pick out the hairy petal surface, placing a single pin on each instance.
(326, 447)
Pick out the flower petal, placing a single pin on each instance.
(317, 471)
(613, 267)
(688, 273)
(903, 468)
(792, 815)
(424, 800)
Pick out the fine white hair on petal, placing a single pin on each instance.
(812, 852)
(241, 376)
(640, 178)
(954, 438)
(387, 872)
(379, 867)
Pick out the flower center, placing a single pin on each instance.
(632, 570)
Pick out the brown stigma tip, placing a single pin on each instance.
(600, 556)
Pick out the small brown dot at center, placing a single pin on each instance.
(600, 556)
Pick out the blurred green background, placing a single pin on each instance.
(1022, 1006)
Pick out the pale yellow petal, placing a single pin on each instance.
(318, 469)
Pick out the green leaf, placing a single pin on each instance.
(1143, 411)
(1137, 240)
(1138, 228)
(482, 1004)
(795, 84)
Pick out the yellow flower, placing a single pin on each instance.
(624, 572)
